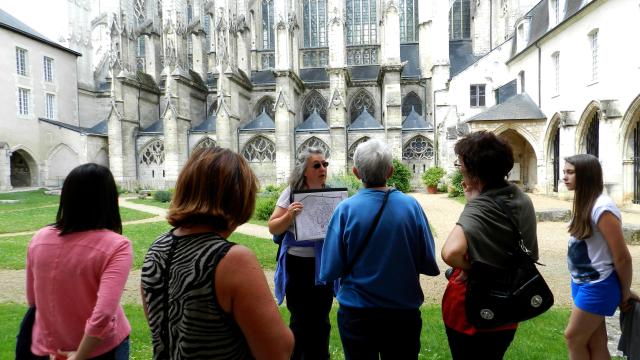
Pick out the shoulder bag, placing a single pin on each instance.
(497, 297)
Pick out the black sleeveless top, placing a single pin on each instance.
(185, 318)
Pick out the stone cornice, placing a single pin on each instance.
(290, 74)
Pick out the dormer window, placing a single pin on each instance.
(555, 12)
(522, 34)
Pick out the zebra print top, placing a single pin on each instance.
(178, 283)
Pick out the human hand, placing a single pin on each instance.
(628, 297)
(295, 208)
(66, 355)
(470, 191)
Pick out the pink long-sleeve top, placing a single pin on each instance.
(76, 282)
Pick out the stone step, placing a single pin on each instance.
(556, 215)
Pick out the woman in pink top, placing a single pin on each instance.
(76, 272)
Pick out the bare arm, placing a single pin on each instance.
(282, 218)
(87, 345)
(611, 229)
(242, 290)
(455, 248)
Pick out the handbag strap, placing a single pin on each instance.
(514, 226)
(359, 251)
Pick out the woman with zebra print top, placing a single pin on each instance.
(206, 297)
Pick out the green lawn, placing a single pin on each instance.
(36, 210)
(540, 338)
(14, 249)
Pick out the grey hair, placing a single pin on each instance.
(297, 180)
(372, 159)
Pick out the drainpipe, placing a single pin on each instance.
(539, 75)
(435, 127)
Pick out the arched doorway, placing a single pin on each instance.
(524, 172)
(23, 169)
(552, 154)
(636, 163)
(630, 140)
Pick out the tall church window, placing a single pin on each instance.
(460, 20)
(593, 41)
(314, 142)
(189, 36)
(362, 29)
(411, 101)
(352, 148)
(418, 148)
(314, 101)
(315, 33)
(408, 15)
(267, 57)
(260, 149)
(139, 13)
(360, 101)
(206, 142)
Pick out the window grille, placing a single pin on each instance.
(314, 142)
(315, 23)
(50, 106)
(592, 138)
(24, 97)
(361, 101)
(260, 150)
(314, 101)
(408, 21)
(153, 153)
(362, 22)
(48, 69)
(460, 20)
(418, 148)
(268, 38)
(21, 61)
(477, 93)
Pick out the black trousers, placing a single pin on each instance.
(491, 345)
(309, 306)
(377, 333)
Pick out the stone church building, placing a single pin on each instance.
(158, 78)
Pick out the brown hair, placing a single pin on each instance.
(216, 187)
(486, 157)
(589, 186)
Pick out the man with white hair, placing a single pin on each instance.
(378, 242)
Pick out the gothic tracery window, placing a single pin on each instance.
(314, 101)
(459, 20)
(409, 101)
(418, 148)
(360, 101)
(139, 10)
(353, 147)
(267, 60)
(267, 105)
(315, 23)
(153, 153)
(259, 150)
(314, 142)
(408, 16)
(362, 24)
(207, 142)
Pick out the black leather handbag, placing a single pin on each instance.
(500, 296)
(23, 340)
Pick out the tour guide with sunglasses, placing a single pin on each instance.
(308, 300)
(379, 264)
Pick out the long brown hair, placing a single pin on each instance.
(589, 186)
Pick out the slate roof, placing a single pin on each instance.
(313, 122)
(364, 72)
(264, 77)
(11, 23)
(460, 56)
(99, 129)
(155, 128)
(365, 121)
(314, 75)
(519, 107)
(539, 21)
(207, 126)
(414, 121)
(411, 54)
(262, 122)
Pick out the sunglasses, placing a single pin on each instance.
(324, 164)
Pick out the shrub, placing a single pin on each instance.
(345, 180)
(162, 196)
(455, 184)
(264, 207)
(401, 177)
(432, 176)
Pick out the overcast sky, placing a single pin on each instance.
(38, 14)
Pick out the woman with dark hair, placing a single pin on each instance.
(76, 272)
(206, 297)
(308, 300)
(483, 233)
(599, 260)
